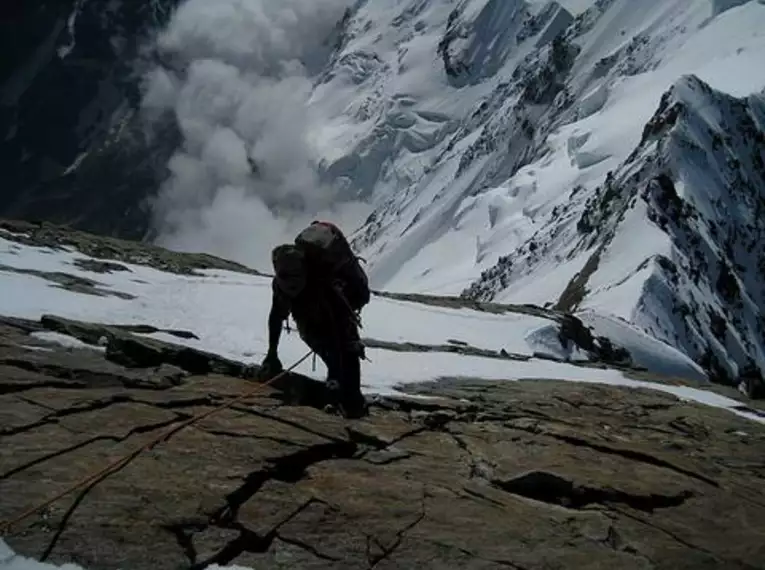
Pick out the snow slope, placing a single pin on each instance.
(230, 312)
(486, 133)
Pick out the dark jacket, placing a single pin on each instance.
(323, 319)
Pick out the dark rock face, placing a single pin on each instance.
(69, 87)
(481, 475)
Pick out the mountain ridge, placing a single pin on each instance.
(650, 175)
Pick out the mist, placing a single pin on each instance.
(236, 75)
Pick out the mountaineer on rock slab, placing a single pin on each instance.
(319, 281)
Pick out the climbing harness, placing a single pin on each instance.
(5, 526)
(353, 314)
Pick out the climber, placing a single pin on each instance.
(319, 281)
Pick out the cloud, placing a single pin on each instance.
(236, 76)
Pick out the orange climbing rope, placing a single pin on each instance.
(5, 526)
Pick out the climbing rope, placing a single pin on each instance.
(5, 526)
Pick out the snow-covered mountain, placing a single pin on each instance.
(609, 162)
(597, 156)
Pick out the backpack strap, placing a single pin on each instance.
(355, 315)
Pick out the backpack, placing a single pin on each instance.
(329, 252)
(289, 268)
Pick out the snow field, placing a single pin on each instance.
(229, 311)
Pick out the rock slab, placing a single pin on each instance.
(482, 475)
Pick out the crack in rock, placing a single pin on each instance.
(630, 454)
(55, 454)
(685, 543)
(465, 552)
(33, 402)
(387, 552)
(479, 467)
(305, 546)
(54, 417)
(386, 457)
(614, 541)
(274, 532)
(287, 422)
(476, 495)
(556, 490)
(287, 469)
(228, 433)
(246, 541)
(82, 408)
(521, 413)
(410, 406)
(63, 525)
(116, 439)
(7, 388)
(191, 402)
(379, 451)
(184, 536)
(375, 443)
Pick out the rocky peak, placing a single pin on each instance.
(70, 146)
(698, 176)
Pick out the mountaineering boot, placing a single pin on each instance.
(333, 396)
(349, 407)
(354, 409)
(349, 412)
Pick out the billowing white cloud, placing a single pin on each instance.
(245, 176)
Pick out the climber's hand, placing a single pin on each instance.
(270, 367)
